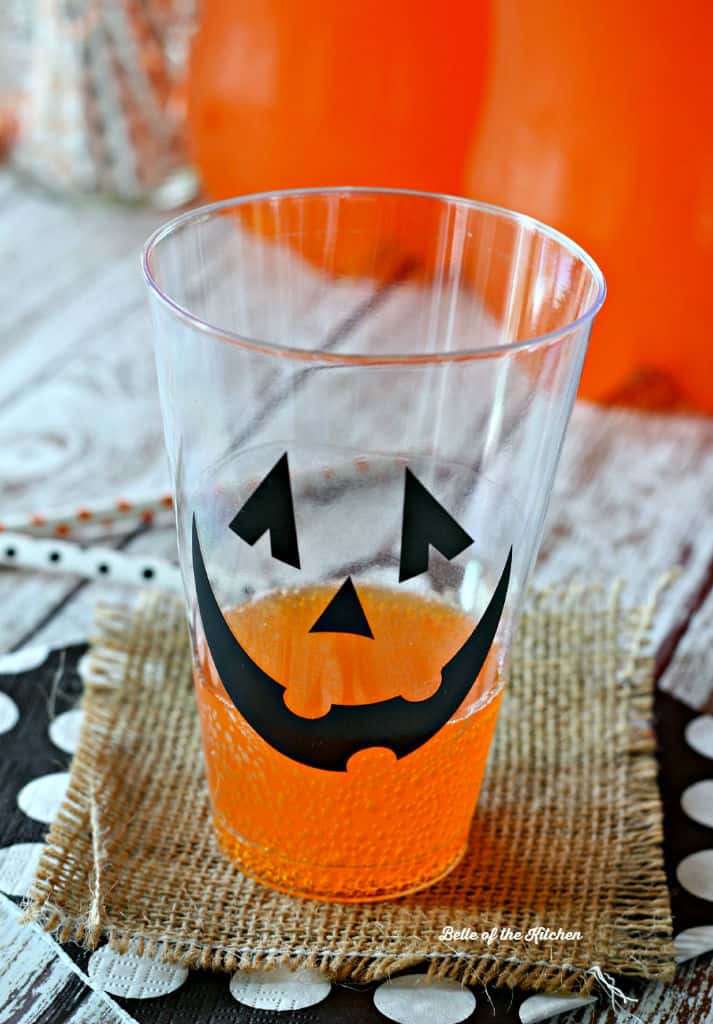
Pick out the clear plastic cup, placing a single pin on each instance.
(364, 394)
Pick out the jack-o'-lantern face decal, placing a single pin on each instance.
(329, 741)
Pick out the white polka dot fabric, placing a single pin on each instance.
(699, 735)
(22, 660)
(697, 802)
(64, 730)
(693, 942)
(18, 864)
(132, 976)
(9, 713)
(695, 873)
(280, 989)
(42, 798)
(417, 999)
(538, 1008)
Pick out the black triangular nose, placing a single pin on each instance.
(344, 613)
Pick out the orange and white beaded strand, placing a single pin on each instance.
(102, 518)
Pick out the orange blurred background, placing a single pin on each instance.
(594, 117)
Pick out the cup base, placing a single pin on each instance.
(331, 883)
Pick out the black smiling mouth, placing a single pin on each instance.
(329, 742)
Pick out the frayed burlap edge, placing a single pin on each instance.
(105, 671)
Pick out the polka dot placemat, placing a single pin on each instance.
(43, 690)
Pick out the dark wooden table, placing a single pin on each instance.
(79, 423)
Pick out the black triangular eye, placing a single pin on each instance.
(270, 507)
(425, 523)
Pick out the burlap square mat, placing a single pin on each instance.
(567, 835)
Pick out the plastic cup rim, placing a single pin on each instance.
(208, 210)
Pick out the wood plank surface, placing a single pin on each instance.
(79, 421)
(687, 672)
(44, 986)
(633, 498)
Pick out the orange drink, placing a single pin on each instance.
(302, 829)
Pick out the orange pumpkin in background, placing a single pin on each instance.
(593, 117)
(598, 119)
(298, 93)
